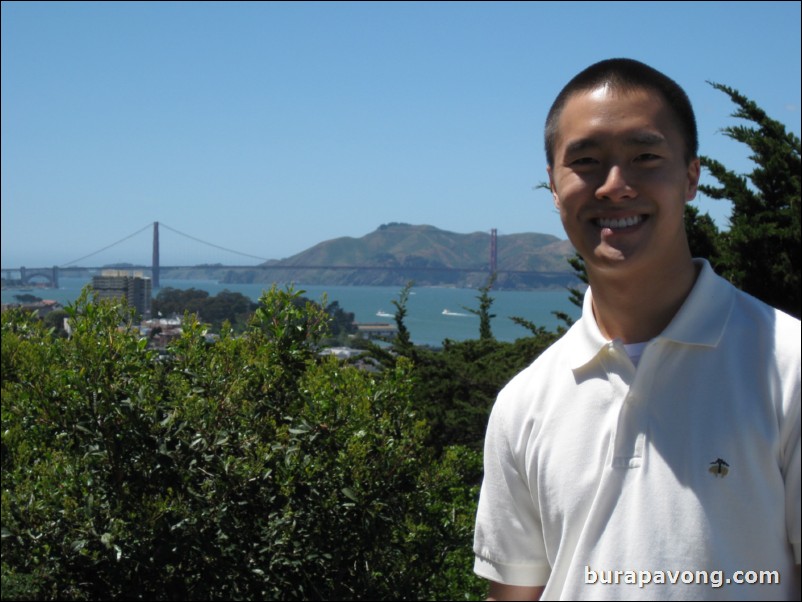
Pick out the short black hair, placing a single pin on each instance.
(626, 74)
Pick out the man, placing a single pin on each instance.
(654, 451)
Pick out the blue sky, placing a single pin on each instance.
(266, 128)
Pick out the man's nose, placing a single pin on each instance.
(616, 186)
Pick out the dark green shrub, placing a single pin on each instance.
(245, 469)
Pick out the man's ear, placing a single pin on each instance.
(555, 197)
(694, 172)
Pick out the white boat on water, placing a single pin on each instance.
(446, 312)
(384, 314)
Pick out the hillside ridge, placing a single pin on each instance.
(396, 253)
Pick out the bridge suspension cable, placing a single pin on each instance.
(212, 244)
(69, 263)
(150, 225)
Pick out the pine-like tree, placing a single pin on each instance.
(403, 341)
(761, 250)
(485, 301)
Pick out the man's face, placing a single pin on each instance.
(620, 180)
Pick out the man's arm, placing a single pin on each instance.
(499, 591)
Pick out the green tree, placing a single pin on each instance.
(575, 296)
(761, 250)
(250, 468)
(225, 306)
(341, 323)
(175, 301)
(455, 387)
(483, 312)
(236, 309)
(704, 238)
(55, 320)
(403, 341)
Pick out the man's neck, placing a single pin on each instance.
(637, 309)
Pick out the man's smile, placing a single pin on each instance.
(619, 223)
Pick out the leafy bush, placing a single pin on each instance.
(245, 469)
(456, 387)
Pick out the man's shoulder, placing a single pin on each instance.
(534, 394)
(555, 358)
(763, 320)
(745, 316)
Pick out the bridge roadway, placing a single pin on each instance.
(131, 268)
(354, 267)
(28, 273)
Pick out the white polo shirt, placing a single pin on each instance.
(687, 467)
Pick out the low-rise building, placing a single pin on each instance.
(42, 308)
(376, 329)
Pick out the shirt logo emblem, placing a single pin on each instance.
(719, 468)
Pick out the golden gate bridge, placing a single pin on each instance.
(51, 274)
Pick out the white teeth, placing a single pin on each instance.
(624, 222)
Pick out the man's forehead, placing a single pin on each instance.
(606, 95)
(617, 90)
(637, 117)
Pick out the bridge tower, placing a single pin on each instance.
(493, 251)
(50, 273)
(155, 266)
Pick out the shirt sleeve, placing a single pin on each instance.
(508, 539)
(792, 466)
(790, 362)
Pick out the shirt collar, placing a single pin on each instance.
(700, 321)
(703, 317)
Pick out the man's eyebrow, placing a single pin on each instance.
(645, 139)
(636, 139)
(582, 144)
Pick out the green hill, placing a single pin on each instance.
(396, 253)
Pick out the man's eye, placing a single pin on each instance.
(583, 161)
(647, 157)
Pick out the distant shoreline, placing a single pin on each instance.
(445, 278)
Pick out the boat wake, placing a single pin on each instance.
(446, 312)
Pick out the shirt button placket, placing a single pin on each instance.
(629, 433)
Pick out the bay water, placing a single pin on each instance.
(433, 313)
